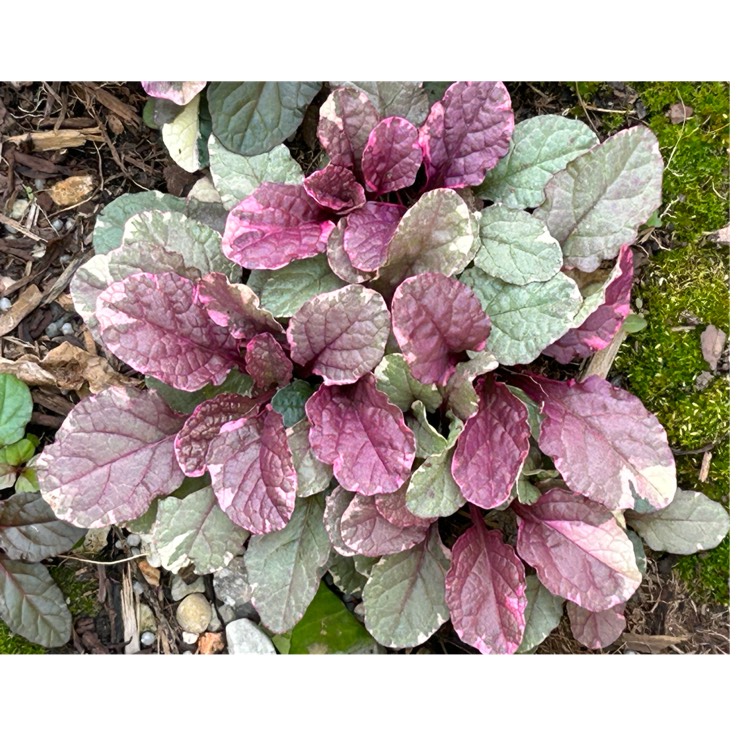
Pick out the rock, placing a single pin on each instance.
(232, 587)
(95, 540)
(194, 613)
(146, 619)
(133, 540)
(215, 625)
(227, 613)
(189, 638)
(679, 112)
(245, 637)
(148, 638)
(702, 381)
(179, 589)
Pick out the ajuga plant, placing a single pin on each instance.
(31, 604)
(353, 366)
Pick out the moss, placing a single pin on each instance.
(79, 586)
(686, 287)
(14, 644)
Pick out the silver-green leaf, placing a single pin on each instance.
(543, 613)
(181, 137)
(394, 378)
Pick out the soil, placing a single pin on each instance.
(43, 243)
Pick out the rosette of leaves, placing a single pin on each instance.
(376, 372)
(31, 604)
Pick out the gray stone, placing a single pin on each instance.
(95, 540)
(232, 587)
(227, 613)
(215, 625)
(180, 589)
(245, 637)
(194, 613)
(189, 638)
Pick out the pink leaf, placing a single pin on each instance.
(275, 225)
(234, 306)
(466, 133)
(266, 362)
(392, 156)
(339, 261)
(368, 533)
(600, 327)
(492, 447)
(392, 506)
(484, 591)
(346, 119)
(203, 425)
(180, 92)
(253, 474)
(436, 319)
(113, 454)
(366, 233)
(335, 188)
(578, 550)
(363, 435)
(341, 335)
(603, 442)
(150, 322)
(596, 629)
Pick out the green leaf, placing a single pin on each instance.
(526, 492)
(312, 475)
(525, 319)
(197, 243)
(284, 567)
(432, 491)
(15, 408)
(252, 117)
(532, 409)
(598, 202)
(290, 401)
(195, 530)
(143, 524)
(110, 223)
(640, 553)
(328, 627)
(429, 441)
(690, 523)
(186, 401)
(539, 147)
(345, 574)
(32, 605)
(397, 99)
(516, 247)
(634, 323)
(181, 137)
(284, 291)
(543, 613)
(236, 176)
(405, 597)
(17, 453)
(394, 378)
(460, 394)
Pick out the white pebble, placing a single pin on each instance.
(58, 224)
(5, 304)
(147, 638)
(118, 544)
(137, 588)
(189, 638)
(69, 224)
(52, 330)
(39, 183)
(134, 540)
(67, 329)
(65, 259)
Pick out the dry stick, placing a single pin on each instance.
(102, 562)
(601, 363)
(20, 228)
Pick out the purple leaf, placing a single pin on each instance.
(392, 506)
(203, 425)
(368, 533)
(602, 324)
(578, 549)
(366, 233)
(267, 363)
(466, 133)
(253, 474)
(341, 335)
(603, 442)
(492, 447)
(392, 156)
(363, 435)
(234, 306)
(336, 503)
(180, 92)
(346, 119)
(114, 454)
(596, 629)
(484, 591)
(339, 261)
(275, 225)
(335, 188)
(150, 322)
(436, 319)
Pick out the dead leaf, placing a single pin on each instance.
(713, 340)
(678, 113)
(210, 643)
(72, 190)
(705, 466)
(32, 373)
(720, 236)
(150, 573)
(702, 381)
(650, 644)
(26, 303)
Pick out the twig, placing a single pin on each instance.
(585, 108)
(20, 228)
(101, 562)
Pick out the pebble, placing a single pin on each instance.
(194, 613)
(245, 637)
(69, 224)
(57, 225)
(189, 638)
(67, 330)
(215, 625)
(138, 588)
(146, 618)
(179, 589)
(233, 588)
(5, 304)
(39, 183)
(227, 613)
(359, 612)
(65, 259)
(52, 330)
(148, 638)
(133, 540)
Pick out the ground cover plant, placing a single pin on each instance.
(378, 399)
